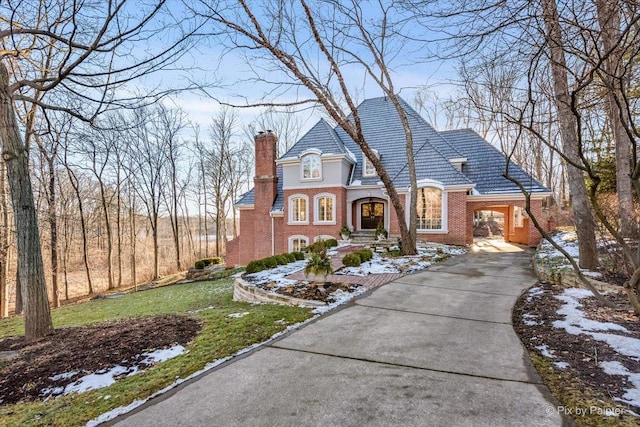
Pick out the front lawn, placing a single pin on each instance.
(227, 327)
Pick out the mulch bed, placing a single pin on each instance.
(581, 352)
(312, 291)
(27, 367)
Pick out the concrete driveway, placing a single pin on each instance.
(429, 349)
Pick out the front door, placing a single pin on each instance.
(371, 215)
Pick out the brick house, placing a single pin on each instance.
(324, 182)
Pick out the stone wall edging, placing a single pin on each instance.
(246, 292)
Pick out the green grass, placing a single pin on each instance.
(220, 337)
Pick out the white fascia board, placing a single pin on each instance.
(244, 207)
(288, 161)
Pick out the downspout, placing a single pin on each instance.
(273, 241)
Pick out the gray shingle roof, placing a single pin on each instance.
(486, 164)
(384, 132)
(322, 137)
(432, 150)
(278, 204)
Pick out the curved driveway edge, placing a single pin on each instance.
(434, 348)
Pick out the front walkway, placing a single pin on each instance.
(434, 348)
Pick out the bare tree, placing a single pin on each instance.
(66, 56)
(283, 36)
(222, 130)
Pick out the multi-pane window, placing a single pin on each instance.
(298, 209)
(324, 209)
(518, 216)
(298, 244)
(429, 206)
(311, 167)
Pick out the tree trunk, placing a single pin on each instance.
(37, 316)
(609, 19)
(53, 225)
(582, 216)
(83, 225)
(132, 232)
(107, 223)
(4, 243)
(119, 223)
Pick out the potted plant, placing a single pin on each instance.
(381, 233)
(345, 232)
(319, 264)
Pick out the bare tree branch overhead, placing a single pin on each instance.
(76, 58)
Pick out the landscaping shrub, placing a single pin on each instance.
(365, 255)
(352, 260)
(291, 257)
(270, 262)
(299, 255)
(331, 243)
(215, 260)
(254, 267)
(199, 265)
(317, 247)
(282, 259)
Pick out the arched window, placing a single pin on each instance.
(298, 243)
(324, 206)
(298, 209)
(429, 207)
(311, 166)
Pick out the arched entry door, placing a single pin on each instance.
(371, 215)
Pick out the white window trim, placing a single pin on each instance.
(296, 237)
(310, 152)
(366, 162)
(445, 213)
(323, 237)
(316, 199)
(291, 221)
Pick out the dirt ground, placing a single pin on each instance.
(314, 291)
(581, 352)
(26, 368)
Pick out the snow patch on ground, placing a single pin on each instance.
(561, 365)
(544, 350)
(110, 415)
(530, 319)
(533, 293)
(237, 315)
(277, 274)
(631, 395)
(106, 377)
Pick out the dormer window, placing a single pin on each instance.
(368, 168)
(311, 165)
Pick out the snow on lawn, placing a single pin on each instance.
(567, 240)
(382, 263)
(106, 377)
(277, 275)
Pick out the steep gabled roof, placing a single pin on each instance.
(321, 137)
(486, 164)
(278, 204)
(383, 131)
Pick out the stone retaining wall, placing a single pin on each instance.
(244, 291)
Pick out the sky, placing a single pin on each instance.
(233, 80)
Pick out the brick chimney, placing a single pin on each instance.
(265, 181)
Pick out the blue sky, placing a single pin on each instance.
(234, 82)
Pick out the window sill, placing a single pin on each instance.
(311, 179)
(324, 223)
(425, 231)
(298, 223)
